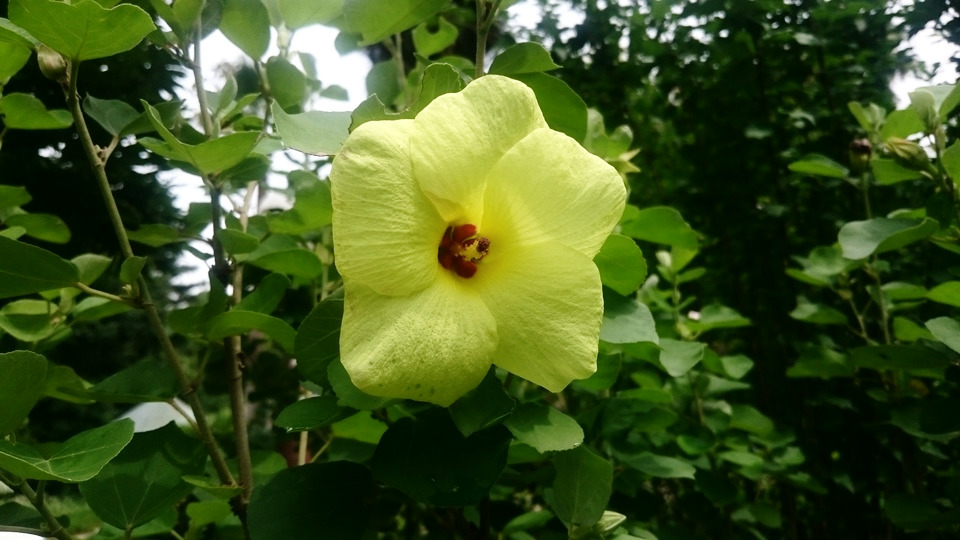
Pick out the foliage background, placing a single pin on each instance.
(758, 416)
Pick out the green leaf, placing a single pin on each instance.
(94, 308)
(868, 118)
(208, 157)
(82, 30)
(888, 171)
(715, 316)
(247, 24)
(202, 513)
(544, 428)
(360, 427)
(155, 235)
(376, 20)
(112, 114)
(946, 330)
(317, 500)
(311, 413)
(527, 57)
(145, 381)
(678, 357)
(428, 459)
(64, 384)
(318, 338)
(282, 254)
(428, 42)
(236, 322)
(311, 210)
(91, 266)
(46, 227)
(238, 242)
(130, 269)
(213, 486)
(267, 295)
(661, 466)
(736, 366)
(30, 320)
(22, 380)
(818, 165)
(901, 124)
(528, 521)
(621, 264)
(14, 35)
(348, 395)
(582, 487)
(13, 196)
(860, 239)
(950, 99)
(913, 359)
(169, 115)
(817, 313)
(907, 331)
(743, 459)
(748, 418)
(563, 109)
(12, 58)
(145, 478)
(950, 159)
(288, 85)
(947, 292)
(297, 13)
(23, 111)
(823, 362)
(26, 269)
(626, 320)
(660, 225)
(314, 132)
(438, 79)
(608, 370)
(79, 458)
(483, 406)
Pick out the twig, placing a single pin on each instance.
(36, 499)
(486, 11)
(96, 292)
(223, 272)
(145, 300)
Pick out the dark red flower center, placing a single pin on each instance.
(461, 248)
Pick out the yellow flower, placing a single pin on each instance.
(465, 238)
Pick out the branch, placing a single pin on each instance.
(56, 530)
(96, 292)
(223, 271)
(144, 298)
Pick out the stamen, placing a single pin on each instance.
(465, 268)
(463, 232)
(460, 249)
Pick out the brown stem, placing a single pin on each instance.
(143, 294)
(224, 273)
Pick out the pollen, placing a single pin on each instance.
(461, 248)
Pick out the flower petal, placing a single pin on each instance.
(458, 137)
(548, 305)
(434, 345)
(548, 188)
(385, 231)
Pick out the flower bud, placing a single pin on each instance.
(908, 153)
(52, 64)
(859, 151)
